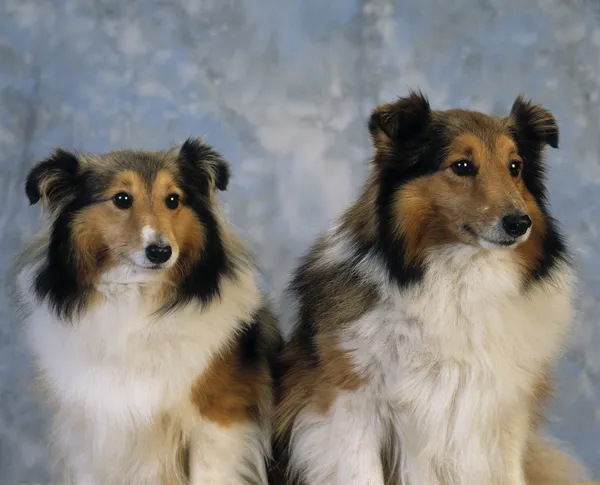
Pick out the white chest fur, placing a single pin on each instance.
(122, 363)
(450, 361)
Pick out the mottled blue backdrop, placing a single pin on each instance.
(283, 88)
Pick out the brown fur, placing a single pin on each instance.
(358, 219)
(545, 463)
(236, 389)
(227, 394)
(431, 211)
(314, 367)
(314, 388)
(104, 234)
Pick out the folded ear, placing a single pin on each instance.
(53, 179)
(398, 129)
(206, 162)
(533, 123)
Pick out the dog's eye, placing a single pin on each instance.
(514, 168)
(123, 200)
(464, 168)
(172, 201)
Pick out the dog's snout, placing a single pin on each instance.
(516, 224)
(158, 254)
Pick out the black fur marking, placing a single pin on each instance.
(183, 455)
(427, 154)
(389, 454)
(223, 175)
(306, 287)
(61, 168)
(304, 337)
(204, 158)
(203, 280)
(554, 251)
(309, 287)
(389, 246)
(249, 343)
(416, 148)
(58, 281)
(535, 122)
(257, 348)
(260, 341)
(406, 124)
(534, 127)
(404, 121)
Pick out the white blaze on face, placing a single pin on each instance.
(496, 238)
(148, 236)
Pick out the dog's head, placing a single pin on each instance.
(132, 217)
(463, 177)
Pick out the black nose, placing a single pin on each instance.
(158, 254)
(516, 224)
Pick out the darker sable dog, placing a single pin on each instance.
(430, 313)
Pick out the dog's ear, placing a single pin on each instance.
(533, 124)
(399, 129)
(53, 180)
(205, 165)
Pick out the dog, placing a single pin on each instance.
(152, 340)
(429, 316)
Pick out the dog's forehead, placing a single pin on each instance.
(472, 145)
(456, 123)
(146, 164)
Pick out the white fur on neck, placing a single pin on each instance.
(119, 348)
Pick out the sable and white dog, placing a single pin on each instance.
(428, 317)
(150, 335)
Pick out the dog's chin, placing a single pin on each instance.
(131, 274)
(494, 241)
(500, 244)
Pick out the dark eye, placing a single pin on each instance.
(123, 200)
(172, 201)
(514, 168)
(464, 168)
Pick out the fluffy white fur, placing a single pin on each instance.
(450, 366)
(120, 378)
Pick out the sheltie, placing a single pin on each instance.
(152, 340)
(429, 316)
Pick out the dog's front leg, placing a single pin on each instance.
(233, 454)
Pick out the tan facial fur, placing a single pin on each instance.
(107, 236)
(437, 209)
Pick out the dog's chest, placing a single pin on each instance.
(465, 327)
(449, 363)
(120, 361)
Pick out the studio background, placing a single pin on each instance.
(283, 88)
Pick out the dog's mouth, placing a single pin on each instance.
(133, 274)
(488, 242)
(151, 267)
